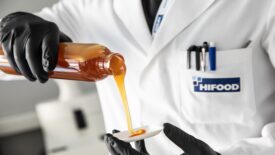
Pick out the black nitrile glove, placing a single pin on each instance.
(189, 144)
(118, 147)
(30, 44)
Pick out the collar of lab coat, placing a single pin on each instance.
(179, 17)
(131, 14)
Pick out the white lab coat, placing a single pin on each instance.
(159, 86)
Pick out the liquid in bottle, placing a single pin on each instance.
(82, 62)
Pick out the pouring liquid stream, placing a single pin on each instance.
(119, 78)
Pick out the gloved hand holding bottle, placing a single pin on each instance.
(33, 48)
(31, 44)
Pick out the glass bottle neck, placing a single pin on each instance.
(113, 64)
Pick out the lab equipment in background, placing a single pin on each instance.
(80, 119)
(62, 132)
(82, 62)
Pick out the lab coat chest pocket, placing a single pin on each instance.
(222, 96)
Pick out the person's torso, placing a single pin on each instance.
(159, 86)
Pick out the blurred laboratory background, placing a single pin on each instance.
(37, 119)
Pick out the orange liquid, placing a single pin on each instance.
(119, 78)
(138, 132)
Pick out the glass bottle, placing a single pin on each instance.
(82, 62)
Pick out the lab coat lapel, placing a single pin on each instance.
(179, 17)
(130, 12)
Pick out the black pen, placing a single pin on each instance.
(198, 58)
(189, 52)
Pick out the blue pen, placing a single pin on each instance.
(212, 56)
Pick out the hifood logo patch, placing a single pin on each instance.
(219, 85)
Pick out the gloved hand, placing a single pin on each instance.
(118, 147)
(30, 44)
(189, 144)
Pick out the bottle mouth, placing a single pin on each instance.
(115, 64)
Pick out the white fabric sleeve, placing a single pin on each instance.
(264, 145)
(68, 15)
(268, 40)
